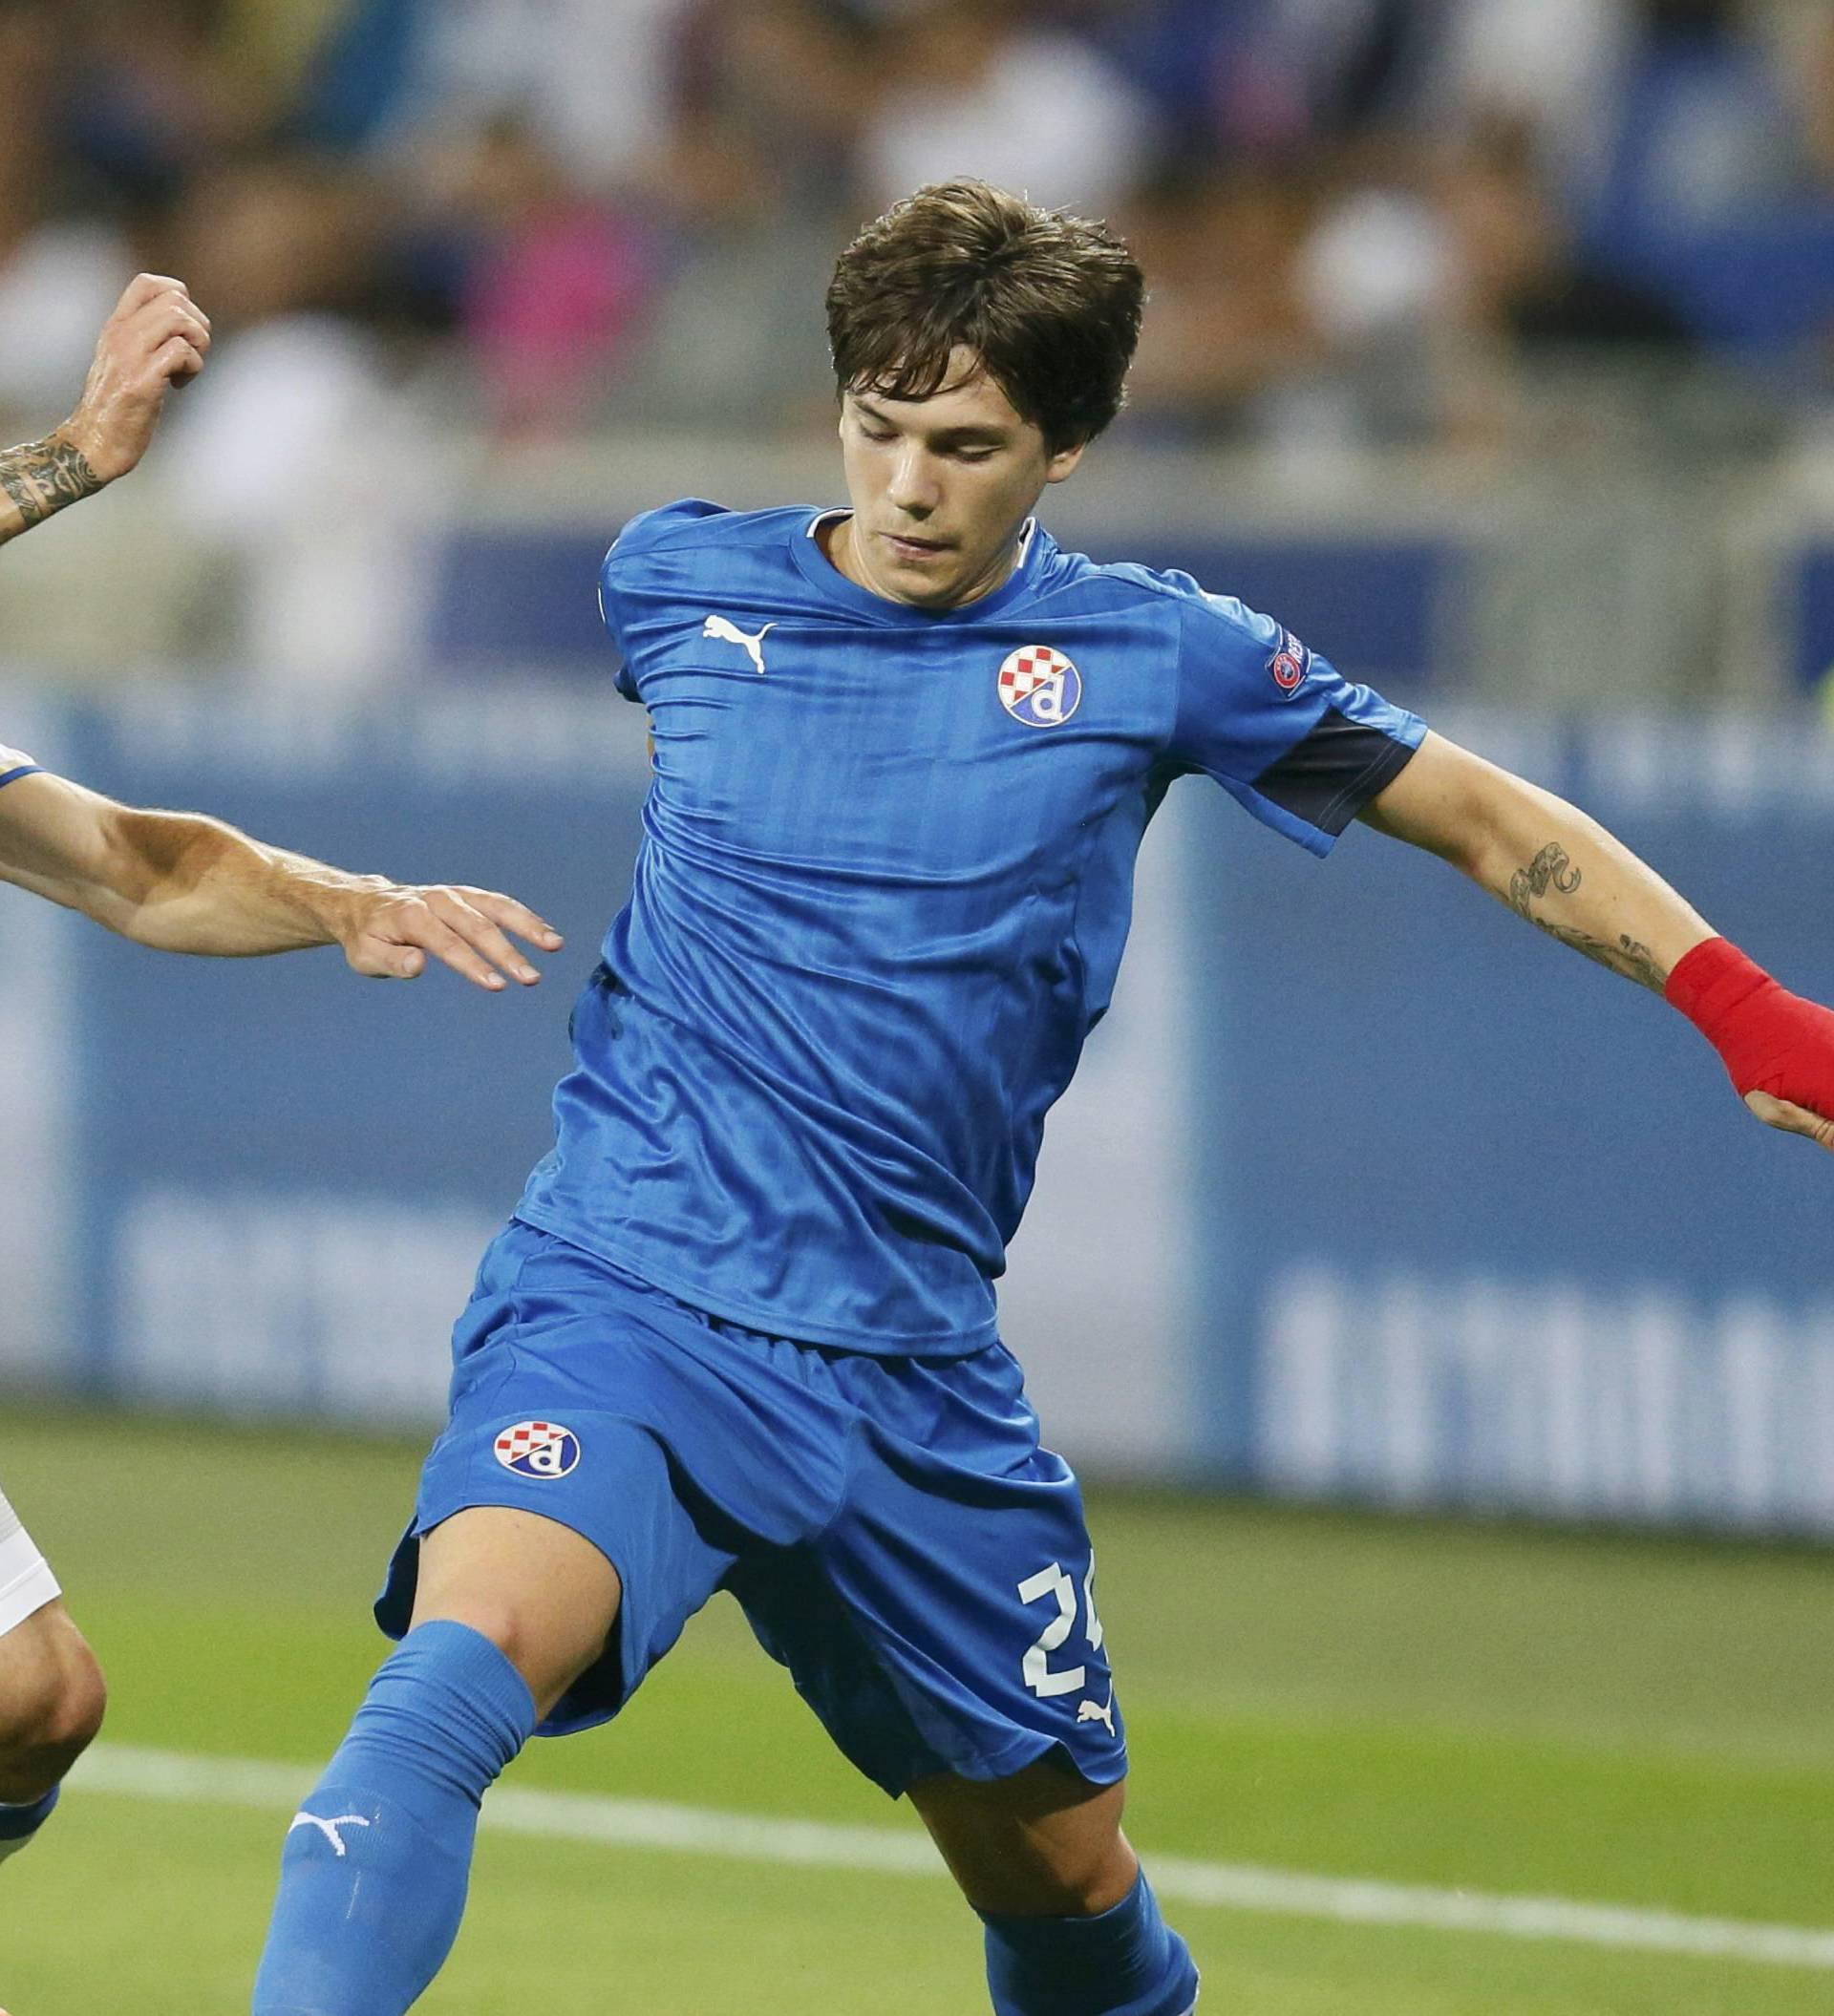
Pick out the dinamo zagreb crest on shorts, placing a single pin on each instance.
(892, 1527)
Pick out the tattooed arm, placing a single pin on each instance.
(1544, 857)
(157, 337)
(40, 477)
(1565, 872)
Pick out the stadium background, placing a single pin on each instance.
(1492, 349)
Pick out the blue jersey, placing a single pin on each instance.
(884, 882)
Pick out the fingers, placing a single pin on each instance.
(453, 926)
(160, 292)
(178, 359)
(145, 288)
(1792, 1119)
(162, 322)
(515, 917)
(474, 939)
(153, 314)
(377, 960)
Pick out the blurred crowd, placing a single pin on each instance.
(1363, 221)
(595, 206)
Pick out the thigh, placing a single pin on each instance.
(1042, 1843)
(945, 1623)
(551, 1513)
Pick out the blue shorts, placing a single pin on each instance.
(893, 1530)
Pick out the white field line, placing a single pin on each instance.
(750, 1838)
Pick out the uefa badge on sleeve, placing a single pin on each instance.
(543, 1449)
(1039, 687)
(1289, 664)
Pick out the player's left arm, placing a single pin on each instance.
(182, 882)
(1560, 870)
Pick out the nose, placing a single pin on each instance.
(913, 488)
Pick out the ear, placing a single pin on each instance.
(1064, 463)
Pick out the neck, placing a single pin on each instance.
(837, 540)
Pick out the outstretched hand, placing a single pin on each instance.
(157, 337)
(391, 929)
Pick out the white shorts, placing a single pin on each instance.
(26, 1583)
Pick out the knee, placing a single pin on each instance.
(51, 1702)
(548, 1661)
(544, 1595)
(508, 1626)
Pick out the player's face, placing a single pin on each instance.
(940, 488)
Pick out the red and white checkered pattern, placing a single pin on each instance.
(525, 1436)
(1030, 666)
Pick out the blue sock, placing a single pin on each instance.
(19, 1823)
(374, 1874)
(1124, 1961)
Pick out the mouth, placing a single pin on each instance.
(914, 549)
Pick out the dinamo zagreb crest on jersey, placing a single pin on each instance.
(884, 886)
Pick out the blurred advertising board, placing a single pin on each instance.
(1365, 1191)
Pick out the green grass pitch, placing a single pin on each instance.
(1643, 1723)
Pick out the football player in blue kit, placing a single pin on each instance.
(185, 883)
(740, 1331)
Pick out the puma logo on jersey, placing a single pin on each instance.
(329, 1828)
(1098, 1712)
(724, 631)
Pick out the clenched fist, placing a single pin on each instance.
(157, 337)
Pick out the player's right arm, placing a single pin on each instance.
(185, 883)
(157, 337)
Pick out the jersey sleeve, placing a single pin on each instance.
(639, 542)
(15, 763)
(1282, 731)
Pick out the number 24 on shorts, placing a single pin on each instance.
(1052, 1582)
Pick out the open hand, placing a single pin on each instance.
(157, 337)
(390, 930)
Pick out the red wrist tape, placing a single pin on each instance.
(1772, 1041)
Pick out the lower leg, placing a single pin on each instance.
(1072, 1925)
(1123, 1962)
(378, 1858)
(376, 1864)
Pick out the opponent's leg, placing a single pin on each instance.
(52, 1694)
(511, 1608)
(1073, 1927)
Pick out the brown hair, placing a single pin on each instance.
(1051, 304)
